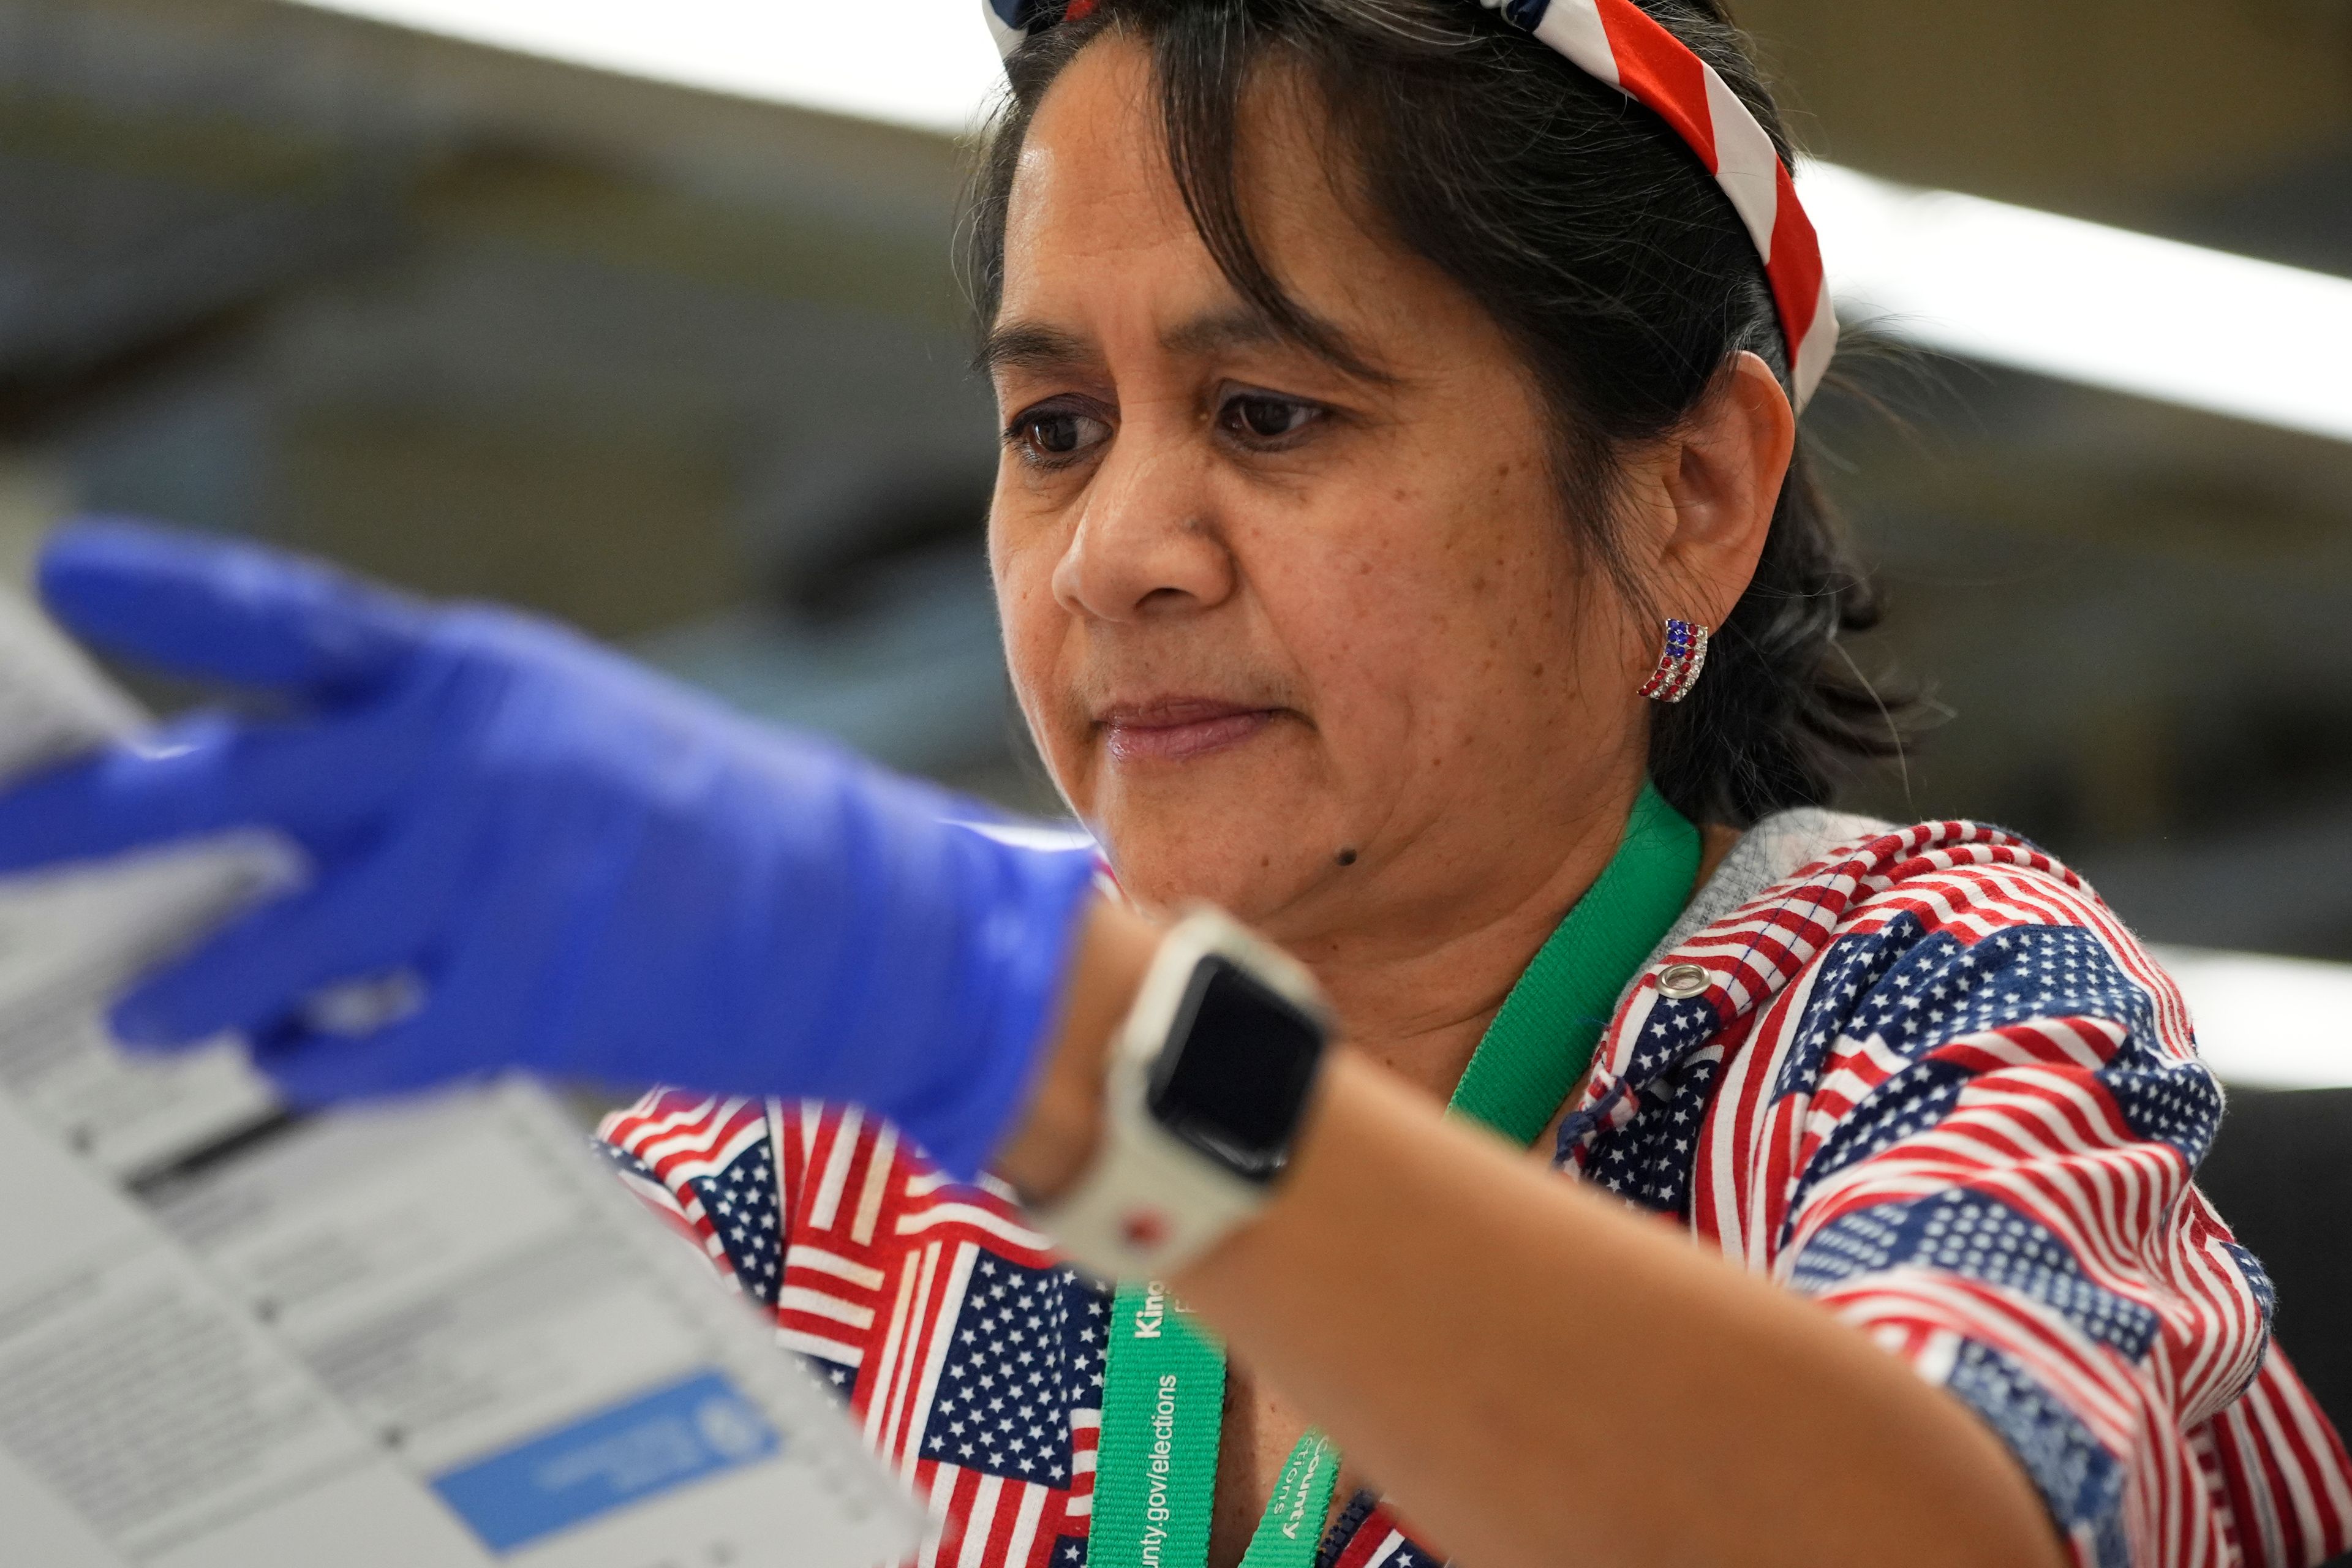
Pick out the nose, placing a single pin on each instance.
(1146, 544)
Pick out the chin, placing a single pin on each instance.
(1242, 830)
(1244, 861)
(1242, 887)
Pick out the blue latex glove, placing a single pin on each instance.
(596, 874)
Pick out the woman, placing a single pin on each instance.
(1377, 377)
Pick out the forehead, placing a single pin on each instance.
(1095, 222)
(1093, 142)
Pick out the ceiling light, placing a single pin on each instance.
(2087, 304)
(925, 63)
(2267, 1023)
(1982, 279)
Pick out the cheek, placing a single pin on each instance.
(1019, 585)
(1442, 619)
(1356, 612)
(1036, 629)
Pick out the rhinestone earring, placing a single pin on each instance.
(1679, 665)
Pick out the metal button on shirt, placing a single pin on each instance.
(1682, 980)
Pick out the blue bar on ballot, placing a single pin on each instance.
(619, 1455)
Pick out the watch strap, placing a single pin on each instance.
(1148, 1203)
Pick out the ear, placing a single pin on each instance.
(1721, 476)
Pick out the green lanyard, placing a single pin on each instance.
(1164, 1381)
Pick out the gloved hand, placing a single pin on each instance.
(597, 875)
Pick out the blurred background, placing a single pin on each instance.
(643, 315)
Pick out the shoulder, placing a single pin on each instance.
(1880, 916)
(1866, 976)
(1938, 931)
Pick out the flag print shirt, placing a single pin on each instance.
(1920, 1075)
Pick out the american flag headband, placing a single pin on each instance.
(1619, 43)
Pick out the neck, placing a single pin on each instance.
(1418, 997)
(1416, 986)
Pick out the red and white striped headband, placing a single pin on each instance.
(1617, 42)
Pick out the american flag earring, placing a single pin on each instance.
(1679, 665)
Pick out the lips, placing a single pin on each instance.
(1177, 728)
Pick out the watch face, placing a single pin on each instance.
(1234, 1078)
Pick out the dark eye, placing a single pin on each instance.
(1055, 435)
(1258, 416)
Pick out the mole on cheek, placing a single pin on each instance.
(1345, 858)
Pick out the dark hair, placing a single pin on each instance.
(1597, 240)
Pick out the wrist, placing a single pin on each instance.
(1198, 1101)
(1059, 1132)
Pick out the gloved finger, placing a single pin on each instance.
(448, 1036)
(318, 782)
(225, 609)
(374, 916)
(471, 996)
(313, 1070)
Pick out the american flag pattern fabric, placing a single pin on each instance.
(1618, 43)
(1931, 1083)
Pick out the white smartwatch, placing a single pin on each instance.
(1208, 1081)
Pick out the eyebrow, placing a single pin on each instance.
(1032, 346)
(1241, 328)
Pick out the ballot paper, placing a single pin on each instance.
(434, 1331)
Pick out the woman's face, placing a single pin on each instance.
(1288, 637)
